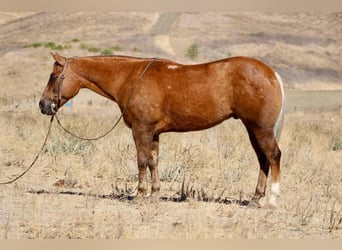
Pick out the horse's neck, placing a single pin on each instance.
(106, 76)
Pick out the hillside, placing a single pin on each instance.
(304, 47)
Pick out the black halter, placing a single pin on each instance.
(56, 103)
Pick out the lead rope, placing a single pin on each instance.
(121, 116)
(35, 159)
(88, 139)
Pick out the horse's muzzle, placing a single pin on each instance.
(47, 107)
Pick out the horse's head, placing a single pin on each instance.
(62, 86)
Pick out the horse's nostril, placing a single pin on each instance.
(47, 107)
(41, 104)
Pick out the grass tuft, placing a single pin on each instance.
(116, 48)
(94, 49)
(37, 45)
(192, 51)
(107, 52)
(337, 143)
(55, 46)
(84, 46)
(71, 146)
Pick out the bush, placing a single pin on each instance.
(116, 48)
(55, 46)
(50, 45)
(192, 51)
(71, 146)
(106, 52)
(94, 49)
(337, 144)
(84, 46)
(37, 45)
(67, 46)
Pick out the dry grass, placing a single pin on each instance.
(83, 190)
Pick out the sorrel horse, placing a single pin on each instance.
(174, 97)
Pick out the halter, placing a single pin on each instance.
(56, 103)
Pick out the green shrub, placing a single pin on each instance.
(106, 52)
(192, 51)
(71, 146)
(50, 45)
(55, 46)
(36, 45)
(67, 46)
(84, 46)
(94, 49)
(337, 143)
(116, 48)
(58, 47)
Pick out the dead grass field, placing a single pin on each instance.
(83, 190)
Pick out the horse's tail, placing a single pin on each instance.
(280, 120)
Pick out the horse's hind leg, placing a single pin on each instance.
(268, 154)
(263, 172)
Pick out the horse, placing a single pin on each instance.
(158, 95)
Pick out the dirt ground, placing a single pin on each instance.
(84, 189)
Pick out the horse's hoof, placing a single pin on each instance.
(253, 205)
(138, 197)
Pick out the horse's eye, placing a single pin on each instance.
(53, 77)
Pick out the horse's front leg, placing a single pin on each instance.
(153, 165)
(147, 156)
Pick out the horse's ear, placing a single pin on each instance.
(59, 59)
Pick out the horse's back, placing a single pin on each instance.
(200, 96)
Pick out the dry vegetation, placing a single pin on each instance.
(84, 189)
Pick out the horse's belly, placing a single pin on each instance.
(195, 119)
